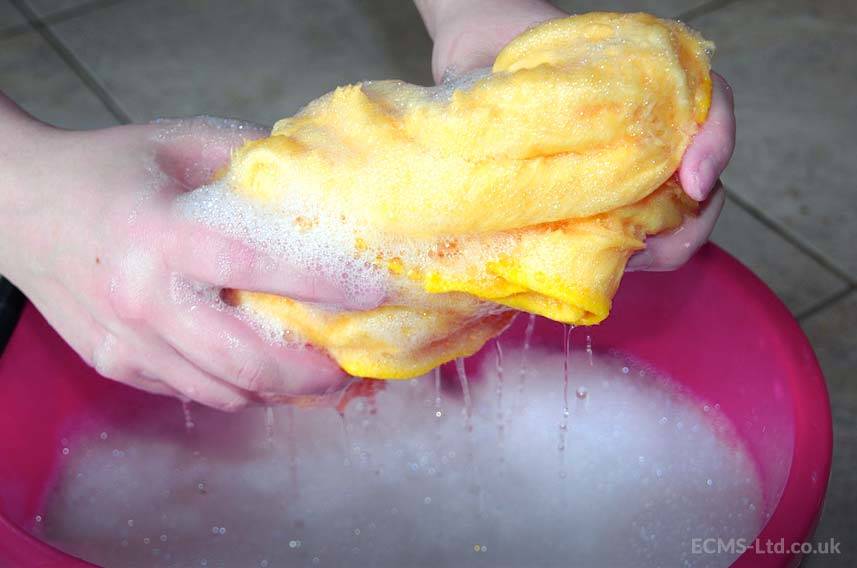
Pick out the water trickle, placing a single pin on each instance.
(589, 348)
(438, 402)
(563, 426)
(269, 425)
(188, 419)
(499, 367)
(465, 390)
(528, 337)
(292, 441)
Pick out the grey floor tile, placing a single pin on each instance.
(792, 64)
(9, 16)
(833, 333)
(36, 78)
(663, 8)
(257, 60)
(47, 7)
(795, 277)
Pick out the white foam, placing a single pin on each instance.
(647, 469)
(326, 247)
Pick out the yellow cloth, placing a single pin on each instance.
(527, 187)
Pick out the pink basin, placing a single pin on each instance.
(712, 326)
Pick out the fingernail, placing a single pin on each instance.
(705, 179)
(640, 261)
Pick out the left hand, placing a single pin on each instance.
(468, 35)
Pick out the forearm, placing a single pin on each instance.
(33, 198)
(17, 133)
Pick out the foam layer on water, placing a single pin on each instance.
(645, 470)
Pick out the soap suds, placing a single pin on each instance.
(647, 469)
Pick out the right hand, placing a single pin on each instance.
(90, 236)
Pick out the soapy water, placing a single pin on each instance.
(647, 468)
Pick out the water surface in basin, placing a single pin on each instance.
(614, 467)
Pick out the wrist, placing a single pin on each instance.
(22, 157)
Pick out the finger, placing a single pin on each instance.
(228, 348)
(152, 365)
(711, 148)
(96, 346)
(145, 383)
(191, 151)
(166, 365)
(670, 251)
(205, 255)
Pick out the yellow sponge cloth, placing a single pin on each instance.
(527, 186)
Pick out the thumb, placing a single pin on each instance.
(203, 254)
(192, 151)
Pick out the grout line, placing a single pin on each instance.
(824, 303)
(792, 238)
(14, 30)
(58, 17)
(704, 9)
(73, 62)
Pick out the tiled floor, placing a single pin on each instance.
(792, 216)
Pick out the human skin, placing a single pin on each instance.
(468, 35)
(89, 234)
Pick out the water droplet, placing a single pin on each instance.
(65, 451)
(581, 393)
(427, 500)
(269, 425)
(163, 538)
(188, 419)
(130, 522)
(528, 336)
(38, 518)
(222, 530)
(626, 370)
(147, 540)
(316, 560)
(201, 487)
(465, 389)
(356, 532)
(499, 369)
(103, 435)
(709, 482)
(438, 401)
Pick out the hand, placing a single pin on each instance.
(91, 236)
(468, 35)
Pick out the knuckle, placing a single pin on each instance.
(110, 359)
(252, 374)
(130, 288)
